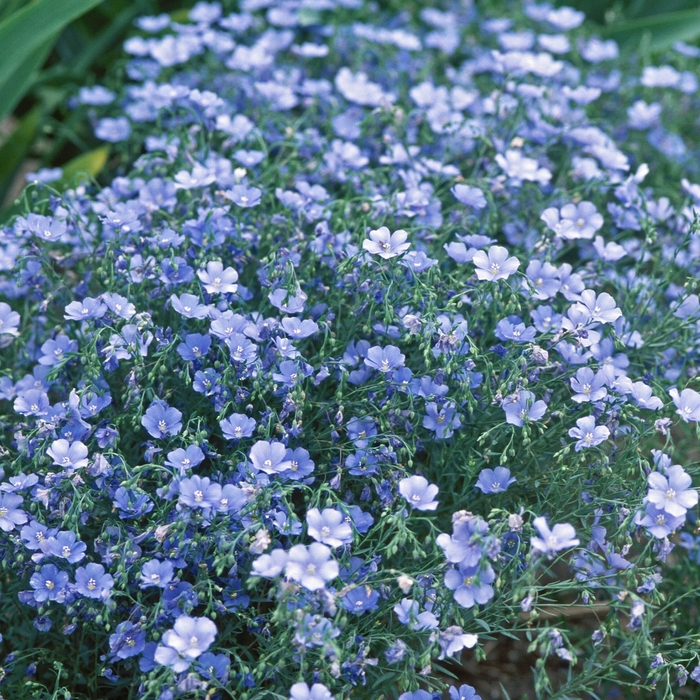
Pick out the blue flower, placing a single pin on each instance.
(464, 692)
(311, 566)
(242, 349)
(544, 278)
(65, 546)
(494, 265)
(128, 640)
(33, 402)
(199, 492)
(470, 196)
(86, 309)
(687, 403)
(207, 382)
(417, 695)
(10, 514)
(360, 599)
(131, 503)
(179, 597)
(419, 493)
(214, 666)
(68, 455)
(452, 640)
(301, 464)
(442, 420)
(185, 459)
(161, 420)
(318, 691)
(296, 328)
(512, 328)
(417, 261)
(286, 302)
(471, 584)
(35, 535)
(385, 244)
(237, 426)
(271, 565)
(175, 272)
(217, 279)
(408, 612)
(359, 429)
(156, 573)
(194, 347)
(522, 407)
(269, 457)
(658, 522)
(469, 541)
(244, 196)
(92, 581)
(588, 434)
(361, 520)
(672, 491)
(384, 359)
(49, 583)
(56, 350)
(329, 527)
(494, 480)
(189, 306)
(589, 386)
(189, 638)
(551, 541)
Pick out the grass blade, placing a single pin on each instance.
(15, 85)
(14, 150)
(82, 167)
(661, 31)
(23, 34)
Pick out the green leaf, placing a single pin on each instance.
(100, 44)
(14, 150)
(181, 16)
(25, 31)
(83, 167)
(629, 670)
(14, 85)
(482, 623)
(658, 31)
(7, 7)
(647, 8)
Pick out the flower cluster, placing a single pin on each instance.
(357, 279)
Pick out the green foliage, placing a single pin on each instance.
(25, 38)
(42, 63)
(657, 31)
(644, 25)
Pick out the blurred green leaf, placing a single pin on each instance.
(82, 167)
(657, 31)
(7, 7)
(14, 150)
(101, 43)
(181, 15)
(24, 33)
(615, 12)
(648, 8)
(14, 85)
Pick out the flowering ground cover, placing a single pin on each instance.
(377, 348)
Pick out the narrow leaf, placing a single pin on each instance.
(660, 31)
(104, 41)
(83, 167)
(23, 32)
(14, 150)
(14, 86)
